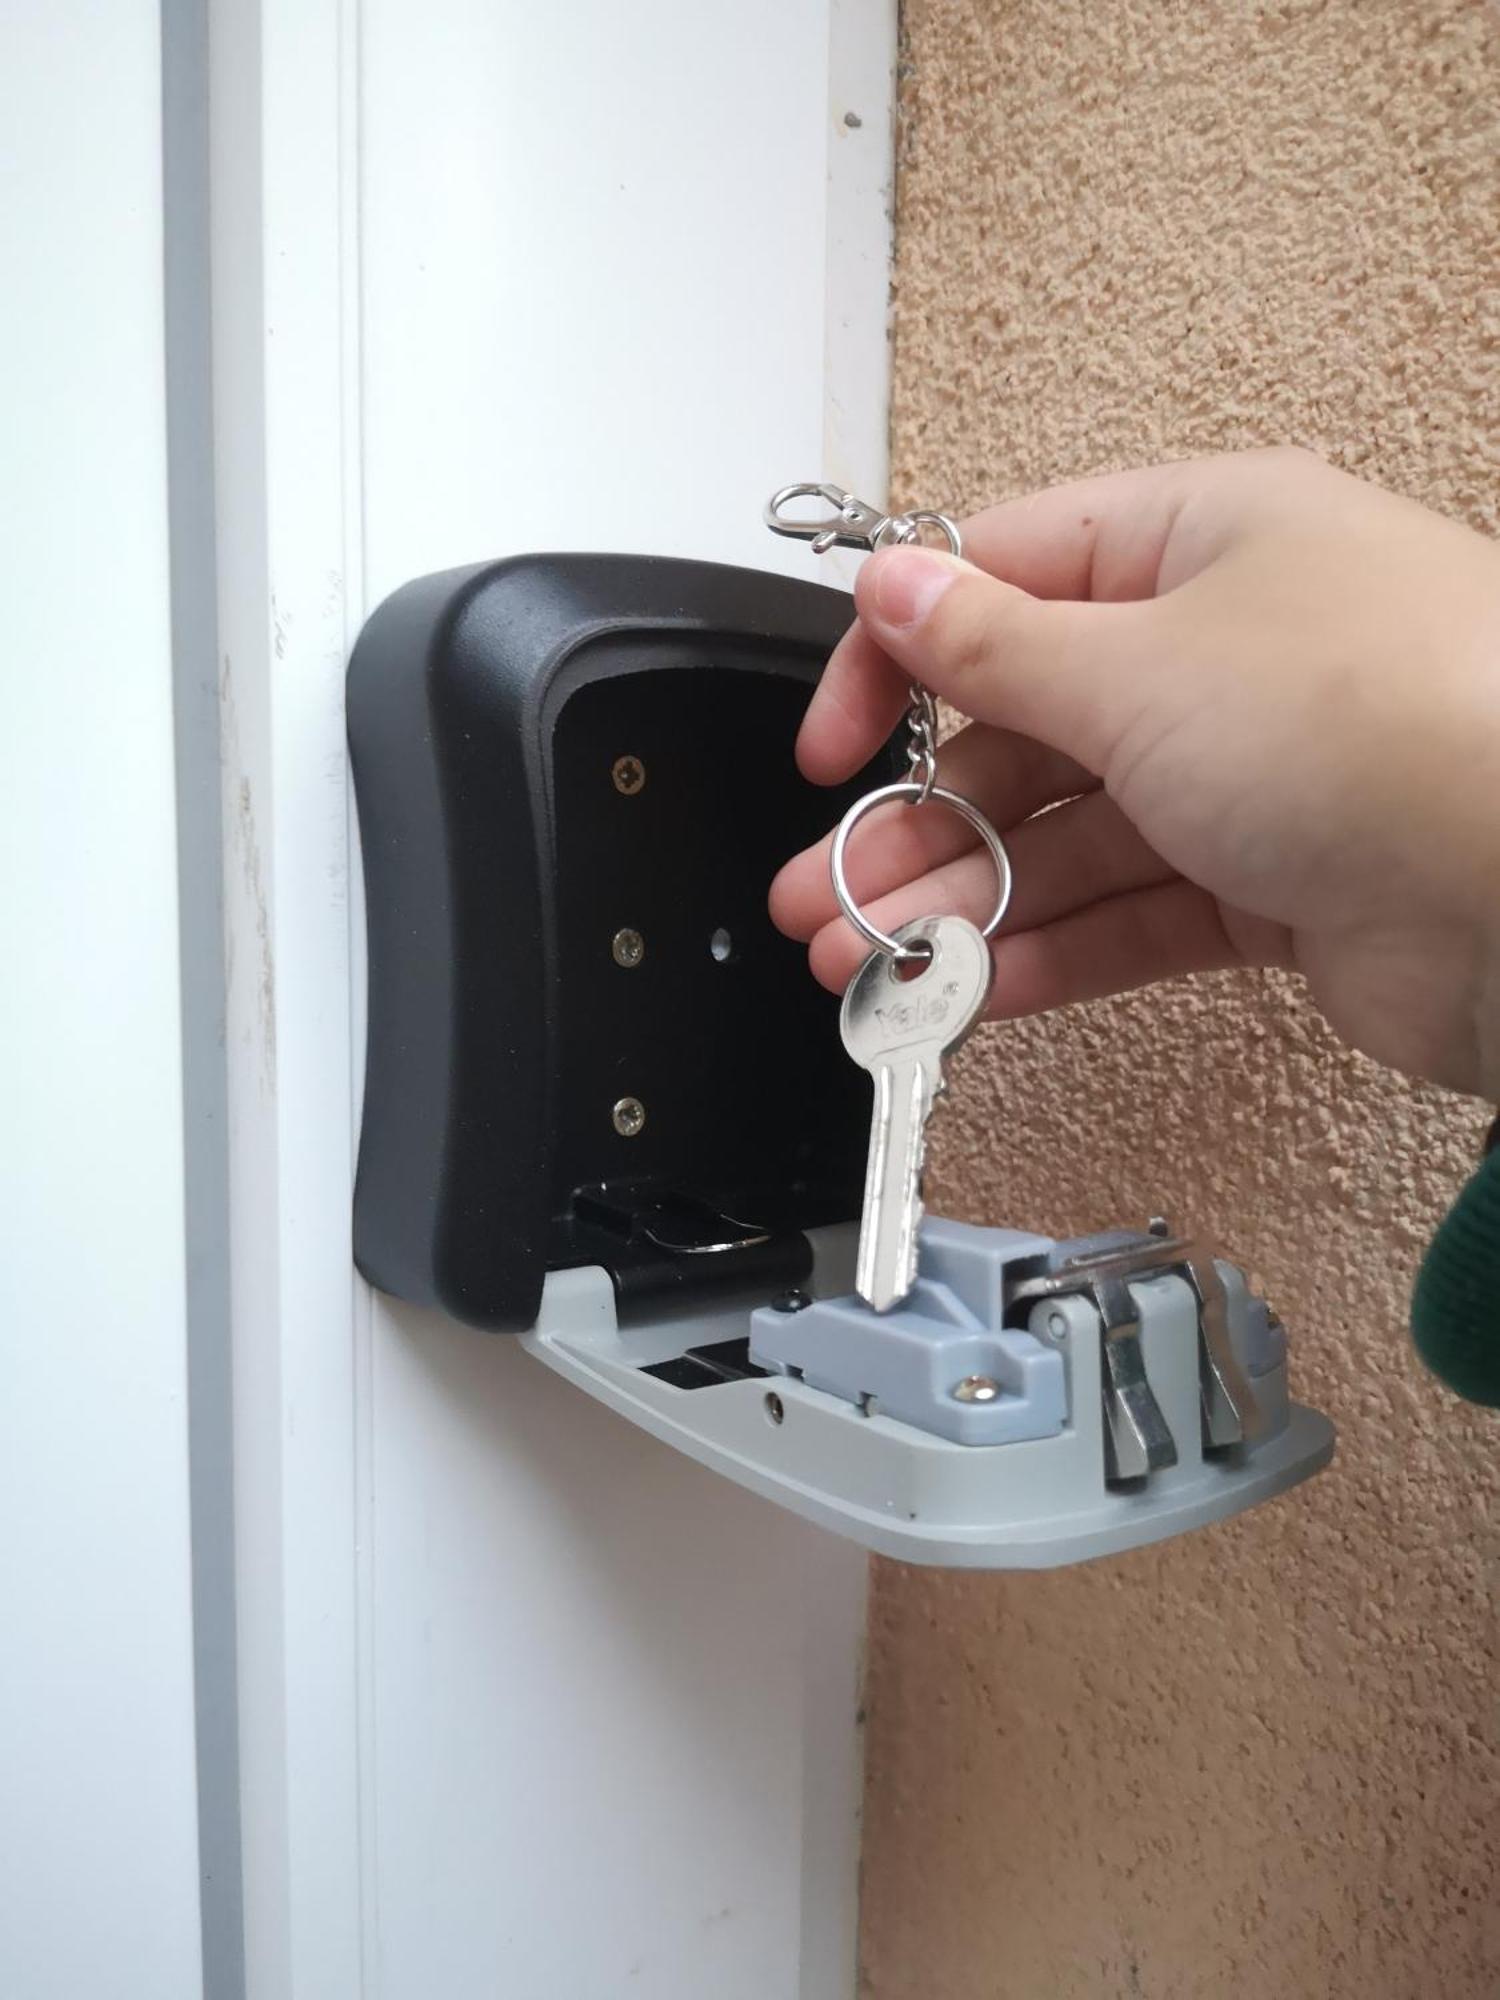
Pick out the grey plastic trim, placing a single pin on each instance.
(1032, 1504)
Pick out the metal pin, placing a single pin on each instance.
(975, 1389)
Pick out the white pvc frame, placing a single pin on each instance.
(527, 1706)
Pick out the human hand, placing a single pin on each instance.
(1237, 711)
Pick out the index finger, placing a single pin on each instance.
(1097, 540)
(855, 706)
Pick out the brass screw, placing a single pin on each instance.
(627, 948)
(629, 774)
(629, 1117)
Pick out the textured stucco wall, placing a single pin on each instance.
(1264, 1761)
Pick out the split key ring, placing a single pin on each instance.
(914, 792)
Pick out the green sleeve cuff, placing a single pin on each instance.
(1455, 1309)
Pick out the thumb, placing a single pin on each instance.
(1071, 675)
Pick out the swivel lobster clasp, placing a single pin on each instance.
(853, 525)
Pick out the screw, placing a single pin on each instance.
(976, 1389)
(629, 774)
(627, 948)
(1057, 1327)
(791, 1302)
(775, 1408)
(1158, 1226)
(629, 1116)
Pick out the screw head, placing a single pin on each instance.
(629, 1117)
(629, 774)
(790, 1302)
(975, 1389)
(775, 1408)
(1057, 1327)
(627, 948)
(1159, 1226)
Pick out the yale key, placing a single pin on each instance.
(900, 1029)
(901, 1016)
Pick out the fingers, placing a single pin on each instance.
(1124, 536)
(1113, 947)
(1160, 932)
(1074, 675)
(1008, 777)
(1063, 652)
(1082, 853)
(1099, 540)
(855, 706)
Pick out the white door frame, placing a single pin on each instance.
(99, 1834)
(527, 1706)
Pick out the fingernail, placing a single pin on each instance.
(907, 583)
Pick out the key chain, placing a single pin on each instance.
(856, 525)
(920, 992)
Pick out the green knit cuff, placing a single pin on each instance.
(1455, 1309)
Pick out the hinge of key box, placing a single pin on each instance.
(1137, 1439)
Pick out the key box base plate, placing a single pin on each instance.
(903, 1492)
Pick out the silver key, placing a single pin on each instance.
(900, 1030)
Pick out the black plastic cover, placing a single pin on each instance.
(505, 850)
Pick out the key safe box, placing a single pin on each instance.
(607, 1109)
(588, 1045)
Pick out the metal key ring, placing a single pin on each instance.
(912, 790)
(905, 530)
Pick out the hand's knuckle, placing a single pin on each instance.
(1282, 459)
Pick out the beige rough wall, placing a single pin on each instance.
(1263, 1761)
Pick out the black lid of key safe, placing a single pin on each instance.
(575, 781)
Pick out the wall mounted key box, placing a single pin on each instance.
(587, 1043)
(607, 1110)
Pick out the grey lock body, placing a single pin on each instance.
(849, 1417)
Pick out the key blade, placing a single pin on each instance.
(899, 1030)
(888, 1236)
